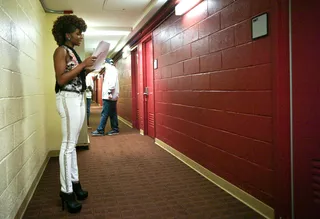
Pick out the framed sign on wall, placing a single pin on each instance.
(259, 26)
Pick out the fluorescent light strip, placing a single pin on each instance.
(106, 33)
(185, 6)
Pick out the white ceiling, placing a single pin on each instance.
(119, 15)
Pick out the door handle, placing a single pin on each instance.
(146, 91)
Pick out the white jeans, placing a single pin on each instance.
(71, 107)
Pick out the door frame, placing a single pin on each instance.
(134, 81)
(282, 109)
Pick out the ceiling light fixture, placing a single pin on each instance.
(185, 5)
(106, 33)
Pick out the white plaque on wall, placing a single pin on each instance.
(155, 64)
(259, 26)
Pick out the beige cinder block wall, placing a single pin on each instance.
(53, 124)
(29, 124)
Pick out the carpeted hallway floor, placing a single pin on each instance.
(128, 176)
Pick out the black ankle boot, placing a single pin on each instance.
(81, 194)
(70, 200)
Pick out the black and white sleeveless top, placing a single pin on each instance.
(77, 84)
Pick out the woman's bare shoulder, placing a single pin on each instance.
(60, 51)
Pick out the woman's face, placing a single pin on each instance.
(76, 37)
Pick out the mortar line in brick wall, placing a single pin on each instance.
(222, 130)
(219, 149)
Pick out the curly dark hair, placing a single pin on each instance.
(67, 24)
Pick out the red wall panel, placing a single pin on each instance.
(214, 92)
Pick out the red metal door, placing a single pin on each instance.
(306, 108)
(149, 89)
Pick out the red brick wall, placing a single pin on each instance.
(213, 87)
(124, 105)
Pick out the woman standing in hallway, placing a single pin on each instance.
(70, 74)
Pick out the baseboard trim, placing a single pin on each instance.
(141, 132)
(125, 121)
(84, 145)
(236, 192)
(32, 189)
(54, 153)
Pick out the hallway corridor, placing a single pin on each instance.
(128, 176)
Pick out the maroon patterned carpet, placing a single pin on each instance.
(128, 176)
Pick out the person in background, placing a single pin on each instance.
(89, 91)
(110, 95)
(70, 73)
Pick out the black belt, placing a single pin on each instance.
(74, 91)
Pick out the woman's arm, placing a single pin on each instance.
(60, 64)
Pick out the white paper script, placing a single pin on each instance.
(101, 54)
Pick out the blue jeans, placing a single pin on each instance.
(109, 109)
(88, 109)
